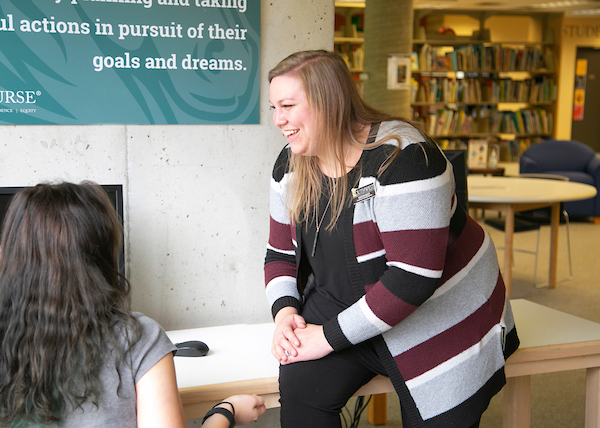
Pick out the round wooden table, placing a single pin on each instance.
(515, 194)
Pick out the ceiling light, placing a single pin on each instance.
(584, 12)
(557, 4)
(431, 6)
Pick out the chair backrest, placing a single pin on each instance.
(458, 159)
(556, 155)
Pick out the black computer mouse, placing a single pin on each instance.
(192, 348)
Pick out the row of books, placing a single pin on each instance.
(511, 150)
(445, 89)
(448, 122)
(452, 144)
(526, 121)
(480, 58)
(442, 89)
(539, 90)
(356, 59)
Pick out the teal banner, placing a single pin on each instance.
(75, 62)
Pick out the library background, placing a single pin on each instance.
(492, 82)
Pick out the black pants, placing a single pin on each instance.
(313, 393)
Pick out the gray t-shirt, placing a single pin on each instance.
(120, 410)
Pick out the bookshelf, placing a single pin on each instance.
(349, 34)
(466, 88)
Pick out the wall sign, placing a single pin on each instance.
(579, 93)
(129, 61)
(581, 31)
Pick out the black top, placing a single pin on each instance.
(330, 290)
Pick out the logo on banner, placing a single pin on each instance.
(15, 101)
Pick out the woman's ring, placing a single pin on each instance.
(287, 354)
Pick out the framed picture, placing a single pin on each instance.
(478, 154)
(398, 72)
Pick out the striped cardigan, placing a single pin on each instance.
(426, 278)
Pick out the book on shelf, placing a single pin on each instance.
(414, 89)
(489, 90)
(452, 61)
(443, 117)
(421, 95)
(424, 57)
(441, 63)
(452, 144)
(414, 61)
(465, 124)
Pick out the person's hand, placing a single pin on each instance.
(285, 340)
(248, 408)
(313, 344)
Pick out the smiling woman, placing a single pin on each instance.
(291, 114)
(373, 266)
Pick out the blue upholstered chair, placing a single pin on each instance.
(571, 159)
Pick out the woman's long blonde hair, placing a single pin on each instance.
(339, 114)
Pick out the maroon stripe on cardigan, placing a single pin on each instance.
(386, 306)
(275, 269)
(366, 238)
(450, 343)
(425, 248)
(464, 248)
(279, 236)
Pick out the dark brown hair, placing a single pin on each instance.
(61, 299)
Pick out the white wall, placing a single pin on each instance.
(196, 196)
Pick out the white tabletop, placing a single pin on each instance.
(243, 351)
(523, 190)
(236, 352)
(538, 325)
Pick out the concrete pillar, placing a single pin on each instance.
(388, 30)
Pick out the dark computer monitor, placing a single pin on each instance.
(458, 159)
(115, 194)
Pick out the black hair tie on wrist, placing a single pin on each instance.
(222, 411)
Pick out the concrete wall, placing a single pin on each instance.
(196, 197)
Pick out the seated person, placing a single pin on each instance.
(373, 266)
(72, 354)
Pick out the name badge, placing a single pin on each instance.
(363, 193)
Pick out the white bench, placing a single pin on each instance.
(240, 362)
